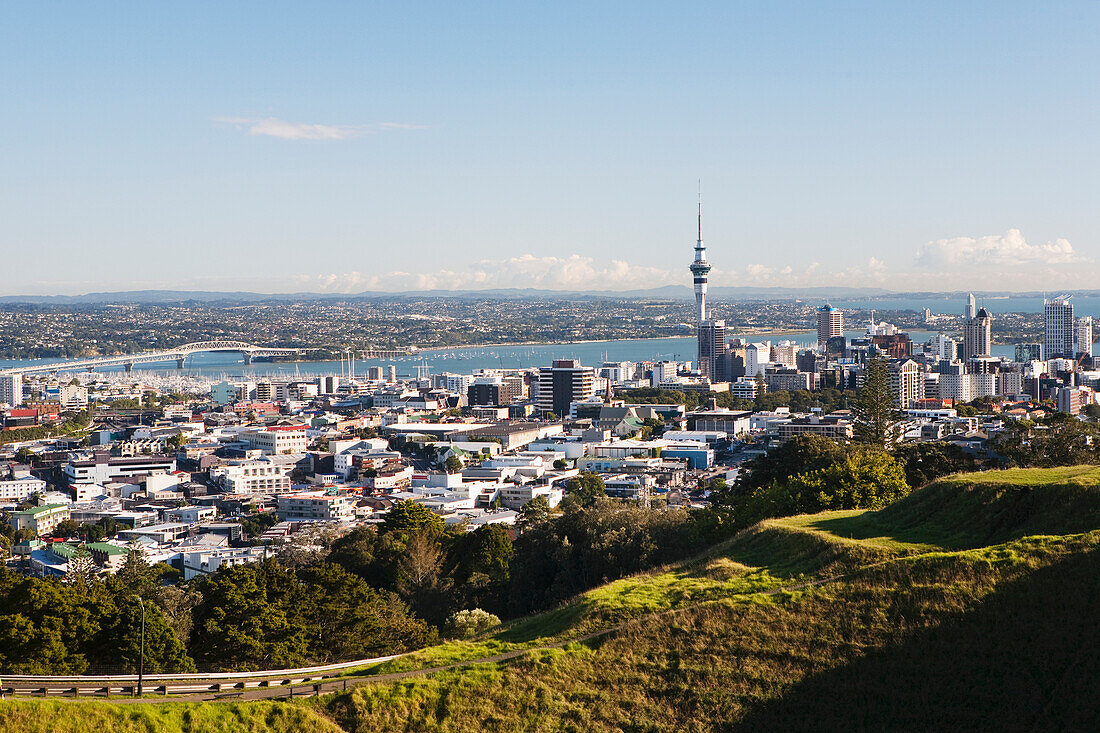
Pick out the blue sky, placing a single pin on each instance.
(351, 146)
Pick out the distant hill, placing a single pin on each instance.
(667, 292)
(971, 604)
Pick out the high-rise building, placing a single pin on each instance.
(906, 382)
(712, 349)
(562, 383)
(1058, 324)
(265, 391)
(1028, 352)
(1082, 335)
(391, 374)
(971, 307)
(946, 348)
(709, 351)
(830, 324)
(977, 331)
(699, 269)
(11, 389)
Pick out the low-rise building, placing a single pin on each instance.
(206, 562)
(40, 520)
(277, 439)
(829, 426)
(316, 506)
(20, 486)
(515, 497)
(260, 476)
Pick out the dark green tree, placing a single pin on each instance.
(409, 516)
(535, 511)
(585, 488)
(925, 462)
(875, 412)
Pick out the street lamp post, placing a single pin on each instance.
(141, 661)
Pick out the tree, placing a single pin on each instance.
(178, 603)
(66, 528)
(875, 414)
(860, 479)
(164, 650)
(453, 464)
(800, 454)
(421, 562)
(409, 516)
(925, 462)
(348, 619)
(245, 620)
(586, 487)
(535, 511)
(469, 623)
(136, 575)
(761, 385)
(82, 568)
(863, 480)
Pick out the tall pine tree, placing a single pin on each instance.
(875, 414)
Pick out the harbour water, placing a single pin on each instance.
(465, 360)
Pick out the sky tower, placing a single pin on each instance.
(699, 269)
(711, 334)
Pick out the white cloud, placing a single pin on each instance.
(574, 272)
(1006, 250)
(274, 127)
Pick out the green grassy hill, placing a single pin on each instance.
(969, 604)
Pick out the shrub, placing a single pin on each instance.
(471, 622)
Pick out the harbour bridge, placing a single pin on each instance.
(177, 354)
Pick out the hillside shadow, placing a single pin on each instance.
(865, 527)
(1026, 659)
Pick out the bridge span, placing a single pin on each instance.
(177, 354)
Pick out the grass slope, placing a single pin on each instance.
(967, 605)
(88, 716)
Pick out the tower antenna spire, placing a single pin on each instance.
(700, 215)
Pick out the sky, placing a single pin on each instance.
(344, 147)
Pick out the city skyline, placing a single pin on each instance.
(850, 145)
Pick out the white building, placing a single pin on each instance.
(316, 506)
(744, 388)
(278, 439)
(457, 383)
(906, 382)
(261, 476)
(757, 357)
(21, 487)
(224, 393)
(1083, 335)
(515, 497)
(73, 396)
(191, 514)
(1058, 323)
(11, 389)
(102, 468)
(947, 349)
(206, 562)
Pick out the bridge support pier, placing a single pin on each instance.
(248, 357)
(179, 362)
(129, 366)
